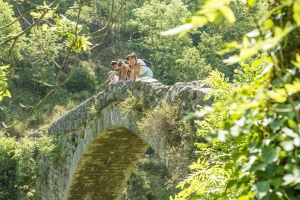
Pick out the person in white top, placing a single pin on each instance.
(114, 79)
(139, 68)
(112, 75)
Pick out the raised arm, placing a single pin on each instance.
(125, 71)
(111, 76)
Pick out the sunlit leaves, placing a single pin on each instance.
(280, 94)
(268, 24)
(251, 2)
(4, 92)
(254, 46)
(38, 14)
(66, 27)
(212, 11)
(228, 14)
(263, 113)
(296, 12)
(205, 180)
(297, 62)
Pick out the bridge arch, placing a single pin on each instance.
(106, 164)
(103, 144)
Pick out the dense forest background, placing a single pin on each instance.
(137, 28)
(193, 56)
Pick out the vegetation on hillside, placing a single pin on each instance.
(253, 125)
(251, 130)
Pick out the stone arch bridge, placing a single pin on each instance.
(102, 145)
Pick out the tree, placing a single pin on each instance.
(56, 40)
(6, 50)
(263, 111)
(150, 20)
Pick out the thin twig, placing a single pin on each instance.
(119, 11)
(31, 111)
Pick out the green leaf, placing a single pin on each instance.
(296, 12)
(4, 67)
(262, 189)
(218, 17)
(278, 95)
(276, 83)
(230, 184)
(195, 198)
(292, 124)
(198, 20)
(44, 27)
(275, 125)
(243, 198)
(228, 14)
(268, 154)
(251, 2)
(292, 88)
(276, 182)
(259, 167)
(269, 23)
(7, 93)
(229, 165)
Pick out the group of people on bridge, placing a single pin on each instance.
(129, 69)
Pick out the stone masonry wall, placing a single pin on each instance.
(101, 145)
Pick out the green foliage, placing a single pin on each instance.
(191, 66)
(20, 167)
(4, 92)
(31, 173)
(42, 39)
(7, 168)
(208, 181)
(82, 79)
(6, 14)
(147, 181)
(131, 103)
(152, 18)
(210, 174)
(192, 57)
(163, 121)
(262, 108)
(29, 78)
(209, 39)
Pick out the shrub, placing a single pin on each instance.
(7, 168)
(28, 78)
(147, 181)
(164, 120)
(82, 79)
